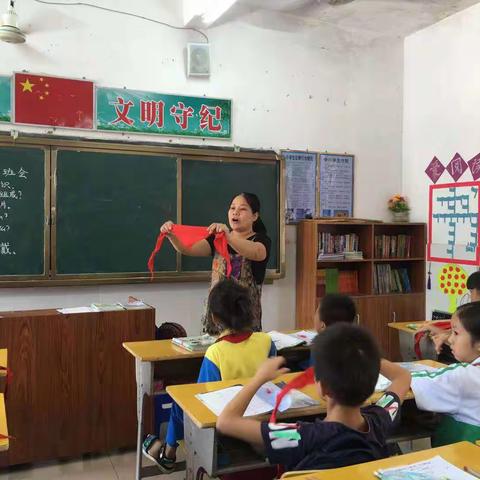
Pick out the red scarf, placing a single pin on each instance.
(235, 337)
(444, 325)
(302, 380)
(190, 235)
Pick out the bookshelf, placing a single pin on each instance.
(387, 248)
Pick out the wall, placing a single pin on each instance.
(292, 87)
(441, 114)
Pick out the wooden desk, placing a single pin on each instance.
(171, 363)
(406, 334)
(73, 390)
(201, 441)
(459, 454)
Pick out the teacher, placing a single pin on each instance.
(248, 246)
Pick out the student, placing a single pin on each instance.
(346, 364)
(334, 308)
(440, 337)
(237, 353)
(455, 390)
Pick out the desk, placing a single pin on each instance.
(201, 440)
(406, 334)
(459, 454)
(172, 362)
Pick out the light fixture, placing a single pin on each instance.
(9, 31)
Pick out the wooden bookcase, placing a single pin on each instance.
(375, 311)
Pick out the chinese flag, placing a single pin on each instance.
(60, 102)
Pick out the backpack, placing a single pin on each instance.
(168, 330)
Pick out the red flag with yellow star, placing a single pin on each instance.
(60, 102)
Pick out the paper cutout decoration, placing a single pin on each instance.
(457, 167)
(452, 281)
(453, 223)
(435, 169)
(474, 165)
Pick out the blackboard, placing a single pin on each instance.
(208, 188)
(22, 211)
(108, 210)
(89, 212)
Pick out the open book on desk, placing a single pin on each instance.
(288, 340)
(262, 402)
(434, 469)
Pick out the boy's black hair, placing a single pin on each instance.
(473, 281)
(335, 308)
(346, 360)
(231, 305)
(469, 316)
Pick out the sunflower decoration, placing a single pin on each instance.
(452, 281)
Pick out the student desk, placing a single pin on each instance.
(3, 415)
(202, 442)
(173, 363)
(459, 454)
(406, 334)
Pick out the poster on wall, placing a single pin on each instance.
(336, 185)
(5, 99)
(453, 223)
(137, 111)
(301, 181)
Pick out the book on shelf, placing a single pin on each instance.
(329, 243)
(332, 280)
(262, 402)
(391, 280)
(199, 343)
(392, 246)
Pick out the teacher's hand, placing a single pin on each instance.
(218, 228)
(167, 227)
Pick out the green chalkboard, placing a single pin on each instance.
(208, 188)
(22, 211)
(109, 208)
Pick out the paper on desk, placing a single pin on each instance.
(305, 335)
(417, 367)
(75, 310)
(434, 469)
(382, 383)
(262, 402)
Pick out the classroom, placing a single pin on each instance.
(208, 208)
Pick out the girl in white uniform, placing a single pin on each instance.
(455, 390)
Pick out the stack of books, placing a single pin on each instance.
(332, 280)
(353, 255)
(195, 344)
(391, 280)
(329, 243)
(392, 246)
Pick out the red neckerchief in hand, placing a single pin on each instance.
(302, 380)
(8, 379)
(188, 236)
(444, 325)
(234, 337)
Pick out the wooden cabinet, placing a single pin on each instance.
(375, 310)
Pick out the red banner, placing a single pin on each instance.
(59, 102)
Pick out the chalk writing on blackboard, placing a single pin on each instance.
(12, 182)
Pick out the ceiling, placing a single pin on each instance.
(367, 19)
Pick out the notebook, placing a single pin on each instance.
(434, 469)
(106, 307)
(284, 340)
(305, 335)
(262, 402)
(195, 344)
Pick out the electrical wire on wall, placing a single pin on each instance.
(111, 10)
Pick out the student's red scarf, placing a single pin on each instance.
(300, 381)
(188, 236)
(443, 324)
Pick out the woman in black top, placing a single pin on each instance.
(248, 246)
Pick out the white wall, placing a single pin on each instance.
(291, 87)
(441, 108)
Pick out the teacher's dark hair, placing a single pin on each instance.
(254, 203)
(231, 305)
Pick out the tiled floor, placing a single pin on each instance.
(119, 466)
